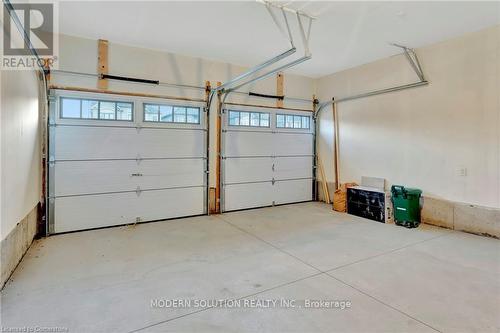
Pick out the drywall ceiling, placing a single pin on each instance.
(345, 34)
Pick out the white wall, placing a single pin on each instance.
(79, 54)
(421, 137)
(20, 147)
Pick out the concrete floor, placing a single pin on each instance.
(397, 279)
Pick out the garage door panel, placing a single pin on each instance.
(237, 170)
(293, 144)
(292, 191)
(293, 167)
(251, 195)
(245, 143)
(94, 211)
(87, 177)
(91, 142)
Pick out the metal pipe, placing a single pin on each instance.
(373, 93)
(305, 40)
(283, 32)
(414, 66)
(266, 75)
(257, 68)
(290, 36)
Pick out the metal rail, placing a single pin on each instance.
(412, 58)
(224, 88)
(372, 93)
(272, 72)
(257, 68)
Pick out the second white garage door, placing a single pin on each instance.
(267, 157)
(117, 160)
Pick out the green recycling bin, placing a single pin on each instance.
(406, 202)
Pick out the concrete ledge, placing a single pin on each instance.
(14, 246)
(438, 212)
(478, 220)
(474, 219)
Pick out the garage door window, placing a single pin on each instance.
(252, 119)
(78, 108)
(171, 114)
(292, 121)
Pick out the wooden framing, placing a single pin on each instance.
(280, 88)
(324, 183)
(336, 168)
(123, 93)
(218, 148)
(102, 63)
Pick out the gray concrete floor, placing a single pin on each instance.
(397, 280)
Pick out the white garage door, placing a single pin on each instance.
(267, 157)
(117, 160)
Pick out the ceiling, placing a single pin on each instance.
(344, 35)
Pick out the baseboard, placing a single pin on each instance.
(459, 216)
(14, 246)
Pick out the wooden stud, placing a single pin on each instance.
(212, 207)
(324, 183)
(102, 63)
(280, 88)
(218, 147)
(336, 167)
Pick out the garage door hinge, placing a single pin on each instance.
(138, 191)
(273, 181)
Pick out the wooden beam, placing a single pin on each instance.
(280, 88)
(218, 148)
(324, 183)
(124, 93)
(336, 167)
(212, 207)
(102, 63)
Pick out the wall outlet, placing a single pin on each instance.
(461, 171)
